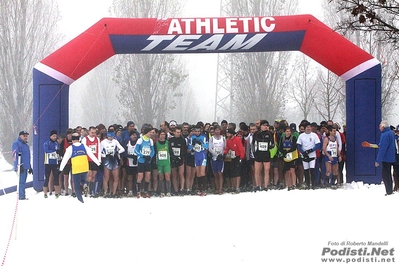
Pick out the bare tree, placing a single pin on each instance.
(186, 108)
(258, 79)
(370, 16)
(372, 36)
(302, 88)
(147, 82)
(28, 33)
(99, 100)
(330, 100)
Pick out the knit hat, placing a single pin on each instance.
(52, 132)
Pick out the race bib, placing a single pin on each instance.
(333, 149)
(263, 146)
(176, 151)
(162, 155)
(231, 154)
(93, 148)
(53, 155)
(197, 147)
(146, 151)
(110, 150)
(131, 152)
(288, 156)
(218, 150)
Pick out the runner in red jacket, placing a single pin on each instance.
(234, 151)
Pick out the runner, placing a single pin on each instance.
(179, 149)
(308, 143)
(144, 151)
(249, 153)
(77, 153)
(110, 152)
(66, 142)
(262, 142)
(331, 156)
(51, 158)
(163, 151)
(131, 163)
(199, 146)
(234, 150)
(190, 164)
(288, 148)
(93, 142)
(217, 145)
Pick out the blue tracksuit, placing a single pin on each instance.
(21, 147)
(144, 147)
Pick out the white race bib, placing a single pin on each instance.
(53, 155)
(218, 150)
(263, 146)
(93, 148)
(110, 150)
(146, 151)
(162, 155)
(176, 151)
(231, 154)
(197, 147)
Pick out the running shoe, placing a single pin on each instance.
(45, 196)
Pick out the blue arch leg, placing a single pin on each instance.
(50, 111)
(363, 111)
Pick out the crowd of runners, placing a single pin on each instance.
(184, 159)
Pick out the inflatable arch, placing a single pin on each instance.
(110, 36)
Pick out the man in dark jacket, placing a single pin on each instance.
(20, 149)
(386, 155)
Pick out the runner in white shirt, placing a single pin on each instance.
(308, 142)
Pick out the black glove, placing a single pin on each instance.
(30, 171)
(305, 153)
(309, 151)
(147, 159)
(57, 151)
(219, 157)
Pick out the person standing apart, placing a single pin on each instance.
(386, 155)
(78, 153)
(20, 148)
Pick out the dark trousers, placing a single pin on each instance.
(79, 179)
(23, 174)
(387, 176)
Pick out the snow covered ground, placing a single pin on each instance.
(264, 228)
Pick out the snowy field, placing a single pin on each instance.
(264, 228)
